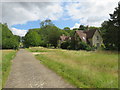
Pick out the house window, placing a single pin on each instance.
(97, 37)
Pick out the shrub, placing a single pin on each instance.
(81, 45)
(103, 46)
(88, 48)
(65, 45)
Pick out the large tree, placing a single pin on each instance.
(9, 41)
(111, 30)
(32, 38)
(46, 22)
(50, 35)
(66, 28)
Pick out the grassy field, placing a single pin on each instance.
(7, 56)
(81, 68)
(0, 69)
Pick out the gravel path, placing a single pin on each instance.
(27, 72)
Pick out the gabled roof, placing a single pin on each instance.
(90, 33)
(86, 34)
(64, 38)
(82, 35)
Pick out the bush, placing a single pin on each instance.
(83, 46)
(65, 45)
(102, 46)
(89, 48)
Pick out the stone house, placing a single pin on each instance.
(62, 39)
(91, 37)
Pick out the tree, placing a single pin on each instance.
(0, 36)
(9, 41)
(65, 45)
(50, 35)
(92, 27)
(42, 24)
(82, 27)
(66, 28)
(32, 38)
(46, 22)
(111, 29)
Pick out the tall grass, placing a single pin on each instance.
(0, 69)
(81, 68)
(7, 56)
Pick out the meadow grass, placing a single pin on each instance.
(7, 56)
(0, 69)
(81, 68)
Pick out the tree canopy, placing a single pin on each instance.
(49, 35)
(111, 30)
(9, 41)
(46, 22)
(32, 38)
(66, 28)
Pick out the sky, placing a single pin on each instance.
(22, 15)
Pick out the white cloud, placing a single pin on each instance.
(76, 26)
(31, 0)
(91, 12)
(22, 12)
(19, 31)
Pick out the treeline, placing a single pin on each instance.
(9, 41)
(48, 35)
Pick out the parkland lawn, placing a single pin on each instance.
(7, 56)
(95, 69)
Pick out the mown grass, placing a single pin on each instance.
(81, 68)
(7, 56)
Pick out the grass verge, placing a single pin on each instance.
(7, 56)
(80, 68)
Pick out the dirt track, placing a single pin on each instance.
(27, 72)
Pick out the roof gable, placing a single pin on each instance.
(90, 33)
(82, 35)
(63, 37)
(86, 34)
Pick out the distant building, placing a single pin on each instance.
(91, 37)
(62, 39)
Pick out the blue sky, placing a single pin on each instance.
(62, 22)
(27, 15)
(36, 24)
